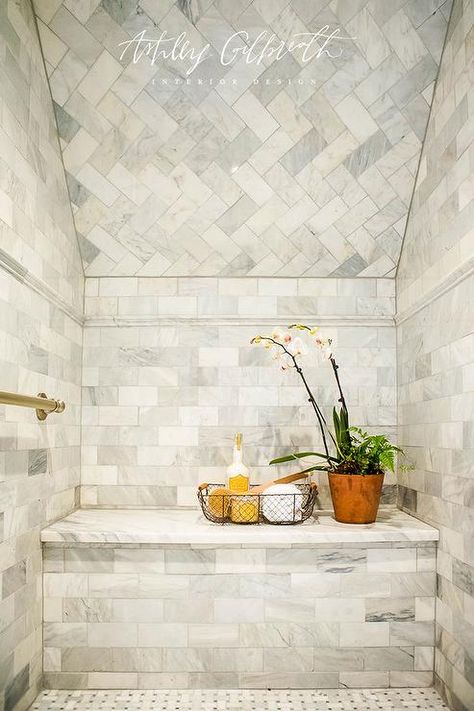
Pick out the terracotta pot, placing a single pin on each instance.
(355, 497)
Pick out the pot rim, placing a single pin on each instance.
(351, 475)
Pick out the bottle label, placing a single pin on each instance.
(239, 483)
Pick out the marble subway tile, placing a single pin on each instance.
(65, 584)
(85, 609)
(238, 610)
(321, 585)
(238, 660)
(340, 609)
(163, 586)
(284, 680)
(65, 634)
(163, 635)
(112, 634)
(264, 634)
(412, 633)
(277, 660)
(418, 679)
(189, 561)
(240, 561)
(137, 610)
(214, 635)
(294, 610)
(397, 560)
(424, 659)
(140, 659)
(206, 586)
(189, 659)
(365, 679)
(69, 680)
(102, 585)
(131, 560)
(338, 659)
(392, 658)
(387, 609)
(88, 660)
(365, 634)
(195, 611)
(407, 584)
(264, 586)
(93, 560)
(314, 634)
(109, 680)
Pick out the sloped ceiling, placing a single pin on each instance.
(283, 168)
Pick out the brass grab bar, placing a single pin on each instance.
(42, 403)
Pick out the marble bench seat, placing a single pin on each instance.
(158, 527)
(164, 599)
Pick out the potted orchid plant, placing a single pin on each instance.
(354, 460)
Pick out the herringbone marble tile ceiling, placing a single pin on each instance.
(279, 167)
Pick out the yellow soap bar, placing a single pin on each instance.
(244, 509)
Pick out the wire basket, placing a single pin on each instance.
(220, 506)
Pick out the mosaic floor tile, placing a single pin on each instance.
(224, 700)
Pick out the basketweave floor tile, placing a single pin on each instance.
(235, 700)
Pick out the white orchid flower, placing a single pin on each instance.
(281, 336)
(278, 335)
(297, 347)
(285, 362)
(328, 353)
(324, 345)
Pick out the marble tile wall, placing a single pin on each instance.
(40, 346)
(436, 408)
(169, 376)
(274, 168)
(39, 471)
(435, 289)
(36, 224)
(231, 617)
(438, 243)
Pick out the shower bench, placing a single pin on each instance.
(164, 599)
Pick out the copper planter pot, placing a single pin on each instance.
(355, 497)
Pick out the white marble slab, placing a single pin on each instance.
(169, 526)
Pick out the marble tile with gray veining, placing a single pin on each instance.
(166, 526)
(231, 114)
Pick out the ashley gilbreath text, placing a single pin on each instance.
(264, 49)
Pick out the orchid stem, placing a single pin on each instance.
(335, 368)
(319, 415)
(317, 411)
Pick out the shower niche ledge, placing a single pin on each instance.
(150, 599)
(184, 526)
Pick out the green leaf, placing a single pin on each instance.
(337, 425)
(345, 433)
(300, 455)
(344, 418)
(314, 469)
(387, 460)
